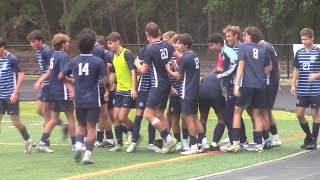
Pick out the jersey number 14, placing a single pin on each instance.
(83, 69)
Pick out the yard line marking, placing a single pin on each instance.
(155, 163)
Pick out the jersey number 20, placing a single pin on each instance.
(84, 69)
(164, 53)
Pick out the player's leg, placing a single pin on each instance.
(108, 131)
(71, 126)
(302, 103)
(91, 135)
(101, 125)
(189, 120)
(81, 132)
(316, 123)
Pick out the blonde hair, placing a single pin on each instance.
(168, 35)
(58, 40)
(234, 30)
(174, 38)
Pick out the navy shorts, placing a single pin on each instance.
(217, 103)
(7, 106)
(61, 105)
(111, 99)
(158, 97)
(174, 105)
(271, 95)
(44, 95)
(87, 115)
(123, 101)
(142, 100)
(189, 106)
(102, 91)
(251, 98)
(307, 101)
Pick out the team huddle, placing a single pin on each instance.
(102, 86)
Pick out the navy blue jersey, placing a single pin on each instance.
(190, 68)
(9, 67)
(307, 63)
(145, 79)
(108, 58)
(86, 70)
(256, 58)
(98, 50)
(157, 56)
(43, 57)
(273, 77)
(58, 91)
(210, 86)
(177, 84)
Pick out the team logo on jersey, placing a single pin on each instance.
(4, 66)
(141, 104)
(313, 58)
(298, 102)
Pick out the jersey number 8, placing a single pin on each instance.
(255, 53)
(84, 69)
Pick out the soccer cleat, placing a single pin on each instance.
(116, 148)
(129, 138)
(203, 148)
(158, 143)
(225, 147)
(267, 144)
(151, 147)
(170, 146)
(77, 155)
(73, 148)
(312, 145)
(245, 146)
(98, 144)
(276, 142)
(28, 146)
(179, 146)
(257, 148)
(131, 148)
(108, 144)
(214, 148)
(42, 148)
(185, 145)
(190, 152)
(87, 158)
(306, 141)
(233, 148)
(46, 144)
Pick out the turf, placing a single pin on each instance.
(60, 164)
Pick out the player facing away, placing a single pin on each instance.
(11, 78)
(126, 90)
(60, 92)
(249, 87)
(44, 52)
(306, 62)
(86, 69)
(189, 71)
(157, 56)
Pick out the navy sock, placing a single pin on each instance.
(60, 122)
(177, 136)
(164, 134)
(152, 133)
(124, 129)
(185, 133)
(273, 129)
(118, 131)
(201, 136)
(73, 140)
(257, 137)
(45, 137)
(265, 134)
(89, 146)
(243, 136)
(305, 128)
(235, 134)
(79, 138)
(99, 135)
(193, 140)
(218, 132)
(24, 133)
(315, 130)
(109, 134)
(204, 127)
(136, 128)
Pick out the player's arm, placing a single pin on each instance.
(175, 74)
(295, 74)
(15, 95)
(177, 55)
(239, 74)
(233, 65)
(141, 68)
(37, 85)
(130, 61)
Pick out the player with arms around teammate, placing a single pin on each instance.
(307, 61)
(60, 92)
(11, 78)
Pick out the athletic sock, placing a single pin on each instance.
(200, 137)
(44, 137)
(24, 133)
(306, 129)
(152, 133)
(273, 129)
(124, 129)
(99, 135)
(185, 133)
(118, 131)
(89, 146)
(164, 134)
(243, 136)
(193, 140)
(136, 128)
(109, 134)
(177, 136)
(235, 134)
(266, 135)
(73, 140)
(257, 137)
(218, 132)
(315, 130)
(80, 139)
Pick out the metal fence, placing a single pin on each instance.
(27, 56)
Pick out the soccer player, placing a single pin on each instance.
(60, 93)
(44, 53)
(86, 69)
(11, 78)
(227, 77)
(210, 96)
(254, 65)
(157, 56)
(189, 71)
(307, 61)
(104, 125)
(126, 91)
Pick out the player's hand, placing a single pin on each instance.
(174, 92)
(106, 95)
(37, 86)
(137, 62)
(312, 77)
(113, 87)
(293, 90)
(217, 70)
(14, 97)
(134, 94)
(236, 91)
(174, 64)
(168, 66)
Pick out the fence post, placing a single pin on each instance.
(288, 61)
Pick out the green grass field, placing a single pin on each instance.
(121, 165)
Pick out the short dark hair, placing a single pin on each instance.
(254, 33)
(185, 39)
(86, 42)
(152, 29)
(114, 36)
(3, 43)
(216, 38)
(307, 32)
(35, 35)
